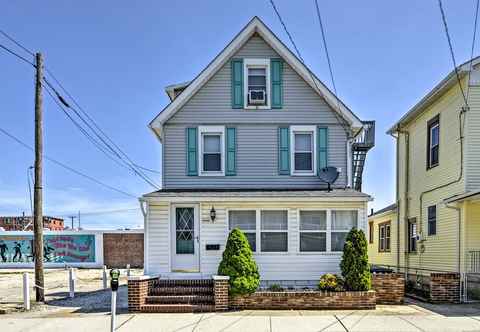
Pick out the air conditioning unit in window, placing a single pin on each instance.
(256, 97)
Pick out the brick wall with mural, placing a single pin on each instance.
(122, 249)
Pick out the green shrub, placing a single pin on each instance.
(330, 283)
(354, 265)
(275, 288)
(238, 263)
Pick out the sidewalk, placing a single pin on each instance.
(386, 318)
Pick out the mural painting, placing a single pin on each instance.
(75, 248)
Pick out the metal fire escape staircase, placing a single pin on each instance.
(362, 143)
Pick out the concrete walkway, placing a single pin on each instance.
(410, 317)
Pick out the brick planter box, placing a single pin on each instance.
(305, 300)
(445, 287)
(390, 287)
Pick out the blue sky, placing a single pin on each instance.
(117, 56)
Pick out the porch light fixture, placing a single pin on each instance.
(213, 214)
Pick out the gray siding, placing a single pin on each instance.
(256, 130)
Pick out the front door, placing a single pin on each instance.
(185, 239)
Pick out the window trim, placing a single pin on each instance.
(371, 234)
(431, 124)
(303, 129)
(429, 233)
(256, 63)
(384, 242)
(211, 130)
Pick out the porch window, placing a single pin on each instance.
(342, 222)
(274, 231)
(245, 220)
(313, 231)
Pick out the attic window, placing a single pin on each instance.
(257, 84)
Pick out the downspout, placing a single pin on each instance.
(143, 204)
(349, 163)
(397, 200)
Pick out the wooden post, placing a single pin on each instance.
(38, 199)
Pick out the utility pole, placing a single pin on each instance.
(79, 223)
(73, 226)
(38, 199)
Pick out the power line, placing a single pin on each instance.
(473, 46)
(16, 55)
(341, 121)
(25, 145)
(95, 213)
(325, 46)
(117, 151)
(452, 54)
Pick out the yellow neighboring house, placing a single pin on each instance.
(437, 212)
(382, 225)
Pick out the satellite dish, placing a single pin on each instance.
(329, 175)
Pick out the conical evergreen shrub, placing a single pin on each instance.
(354, 265)
(238, 263)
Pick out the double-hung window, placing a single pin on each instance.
(384, 237)
(211, 161)
(257, 84)
(245, 220)
(313, 231)
(432, 220)
(274, 230)
(342, 222)
(433, 142)
(303, 158)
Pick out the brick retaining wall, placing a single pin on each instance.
(138, 291)
(445, 287)
(390, 287)
(120, 249)
(305, 300)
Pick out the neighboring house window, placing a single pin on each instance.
(313, 231)
(274, 231)
(245, 220)
(433, 142)
(257, 83)
(384, 237)
(370, 232)
(212, 142)
(342, 222)
(412, 235)
(432, 220)
(303, 156)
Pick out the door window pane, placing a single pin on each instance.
(344, 220)
(274, 241)
(184, 224)
(313, 220)
(313, 241)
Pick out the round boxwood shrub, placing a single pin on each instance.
(330, 283)
(238, 263)
(354, 265)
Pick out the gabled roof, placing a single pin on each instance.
(449, 81)
(390, 208)
(254, 26)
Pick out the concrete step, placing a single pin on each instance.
(177, 308)
(180, 299)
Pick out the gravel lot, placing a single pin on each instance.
(89, 295)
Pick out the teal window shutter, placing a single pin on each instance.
(283, 151)
(192, 154)
(322, 147)
(237, 83)
(276, 78)
(231, 151)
